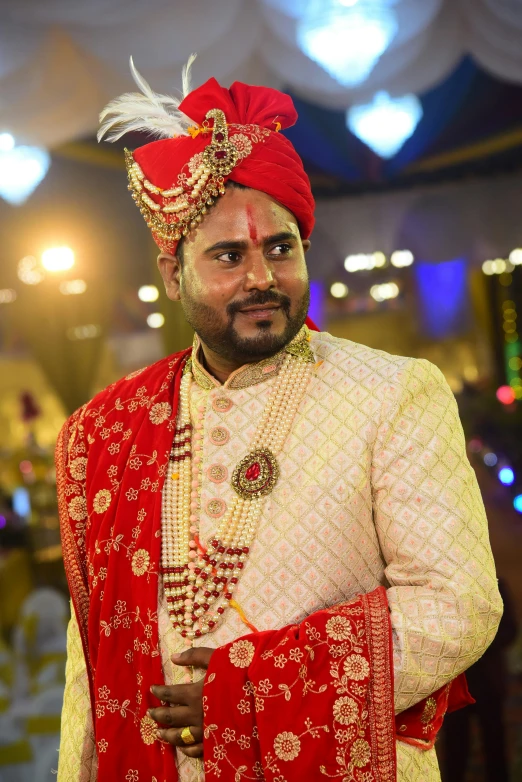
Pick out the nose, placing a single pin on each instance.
(259, 274)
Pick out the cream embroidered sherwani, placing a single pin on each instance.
(375, 488)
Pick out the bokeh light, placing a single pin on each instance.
(28, 271)
(506, 395)
(386, 290)
(339, 290)
(506, 476)
(7, 142)
(155, 320)
(73, 287)
(517, 503)
(58, 259)
(148, 293)
(490, 459)
(7, 295)
(401, 258)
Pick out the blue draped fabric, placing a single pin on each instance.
(443, 297)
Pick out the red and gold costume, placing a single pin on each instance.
(322, 497)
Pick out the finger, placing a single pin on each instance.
(197, 657)
(176, 694)
(194, 751)
(173, 736)
(176, 717)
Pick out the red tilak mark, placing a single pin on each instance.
(252, 230)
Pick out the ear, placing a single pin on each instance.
(306, 244)
(170, 270)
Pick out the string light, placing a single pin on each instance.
(155, 320)
(490, 459)
(515, 256)
(339, 290)
(517, 503)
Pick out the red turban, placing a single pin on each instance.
(174, 180)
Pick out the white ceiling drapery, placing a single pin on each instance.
(62, 60)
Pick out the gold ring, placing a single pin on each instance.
(187, 737)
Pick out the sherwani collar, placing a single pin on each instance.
(249, 374)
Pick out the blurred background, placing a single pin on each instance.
(410, 128)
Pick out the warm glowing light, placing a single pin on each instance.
(386, 290)
(515, 256)
(401, 258)
(506, 395)
(155, 320)
(385, 123)
(506, 476)
(21, 171)
(490, 459)
(364, 261)
(339, 290)
(58, 259)
(73, 287)
(498, 266)
(7, 142)
(148, 293)
(89, 331)
(346, 37)
(7, 295)
(28, 271)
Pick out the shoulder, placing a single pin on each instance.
(373, 368)
(141, 385)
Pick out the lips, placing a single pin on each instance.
(260, 312)
(260, 307)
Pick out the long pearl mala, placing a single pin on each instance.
(195, 578)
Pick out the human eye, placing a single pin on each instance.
(229, 257)
(281, 249)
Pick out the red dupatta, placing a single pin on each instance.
(112, 457)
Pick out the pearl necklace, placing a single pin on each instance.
(199, 582)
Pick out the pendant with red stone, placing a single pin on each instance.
(256, 475)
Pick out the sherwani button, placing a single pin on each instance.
(219, 435)
(222, 404)
(217, 473)
(216, 508)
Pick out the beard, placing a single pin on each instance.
(223, 337)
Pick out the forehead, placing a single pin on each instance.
(232, 215)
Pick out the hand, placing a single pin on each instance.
(186, 709)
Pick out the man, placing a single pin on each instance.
(264, 486)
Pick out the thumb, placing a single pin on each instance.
(197, 657)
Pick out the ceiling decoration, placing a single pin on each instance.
(61, 61)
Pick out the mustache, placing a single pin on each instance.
(257, 299)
